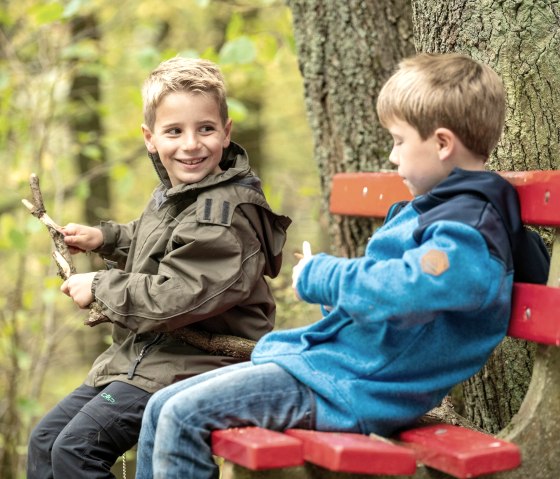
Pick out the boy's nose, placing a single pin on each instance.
(394, 158)
(189, 142)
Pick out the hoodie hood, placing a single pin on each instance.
(455, 193)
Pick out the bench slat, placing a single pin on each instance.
(461, 452)
(534, 314)
(371, 194)
(354, 453)
(539, 195)
(366, 194)
(257, 448)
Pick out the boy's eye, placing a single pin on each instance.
(207, 128)
(174, 131)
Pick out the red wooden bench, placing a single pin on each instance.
(434, 451)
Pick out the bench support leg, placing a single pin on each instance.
(536, 427)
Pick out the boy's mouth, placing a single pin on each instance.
(191, 162)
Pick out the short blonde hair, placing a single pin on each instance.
(450, 90)
(180, 74)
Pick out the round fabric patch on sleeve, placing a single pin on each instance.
(434, 262)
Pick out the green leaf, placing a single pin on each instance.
(239, 51)
(237, 110)
(73, 8)
(18, 239)
(235, 27)
(92, 151)
(44, 13)
(82, 190)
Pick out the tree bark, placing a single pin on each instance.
(346, 50)
(521, 41)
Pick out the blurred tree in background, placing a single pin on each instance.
(70, 111)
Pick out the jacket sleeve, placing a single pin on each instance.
(117, 239)
(451, 269)
(200, 276)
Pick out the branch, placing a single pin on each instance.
(216, 344)
(61, 254)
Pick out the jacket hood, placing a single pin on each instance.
(530, 256)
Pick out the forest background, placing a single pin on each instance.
(70, 111)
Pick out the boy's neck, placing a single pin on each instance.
(467, 160)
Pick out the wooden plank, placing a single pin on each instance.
(371, 194)
(461, 452)
(355, 453)
(535, 313)
(539, 194)
(366, 194)
(257, 448)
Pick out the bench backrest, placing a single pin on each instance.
(535, 314)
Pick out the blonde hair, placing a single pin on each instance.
(450, 90)
(180, 74)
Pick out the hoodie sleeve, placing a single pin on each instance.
(451, 269)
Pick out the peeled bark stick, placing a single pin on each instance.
(61, 255)
(215, 344)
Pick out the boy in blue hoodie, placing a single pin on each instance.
(420, 312)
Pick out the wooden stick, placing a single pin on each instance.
(61, 254)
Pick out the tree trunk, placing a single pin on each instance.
(86, 126)
(520, 40)
(346, 50)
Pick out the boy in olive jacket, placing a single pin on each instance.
(197, 256)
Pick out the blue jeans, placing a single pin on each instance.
(178, 420)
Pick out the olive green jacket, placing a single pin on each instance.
(196, 257)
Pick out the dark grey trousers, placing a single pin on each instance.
(86, 432)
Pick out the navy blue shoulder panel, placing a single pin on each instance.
(394, 210)
(474, 211)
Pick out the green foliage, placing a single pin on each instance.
(41, 331)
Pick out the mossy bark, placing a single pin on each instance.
(346, 50)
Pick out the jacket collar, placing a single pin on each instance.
(235, 162)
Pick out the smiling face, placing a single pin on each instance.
(189, 136)
(421, 163)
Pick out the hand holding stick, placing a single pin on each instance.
(61, 255)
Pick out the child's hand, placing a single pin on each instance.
(303, 260)
(78, 287)
(80, 238)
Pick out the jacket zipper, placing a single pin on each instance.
(140, 356)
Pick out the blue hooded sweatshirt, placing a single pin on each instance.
(420, 312)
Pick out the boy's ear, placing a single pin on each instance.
(227, 131)
(147, 133)
(446, 143)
